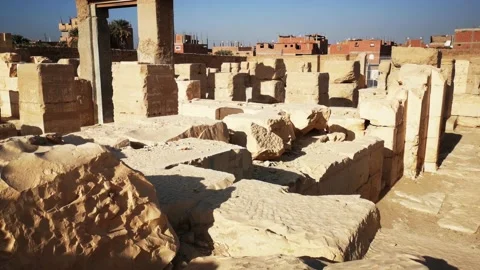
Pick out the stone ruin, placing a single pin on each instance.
(267, 163)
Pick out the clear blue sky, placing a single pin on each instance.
(250, 21)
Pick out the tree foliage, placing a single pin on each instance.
(224, 53)
(19, 40)
(120, 32)
(73, 32)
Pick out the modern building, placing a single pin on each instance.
(65, 29)
(441, 42)
(293, 45)
(236, 48)
(467, 38)
(417, 42)
(189, 44)
(374, 48)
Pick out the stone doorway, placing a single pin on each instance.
(156, 39)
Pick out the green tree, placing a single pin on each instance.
(73, 33)
(120, 32)
(224, 53)
(19, 40)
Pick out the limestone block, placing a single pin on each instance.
(213, 155)
(217, 110)
(387, 134)
(65, 189)
(188, 90)
(71, 61)
(392, 79)
(386, 113)
(307, 88)
(244, 65)
(466, 121)
(346, 112)
(230, 87)
(10, 57)
(47, 100)
(451, 123)
(196, 72)
(383, 73)
(464, 78)
(181, 188)
(10, 105)
(371, 94)
(278, 262)
(7, 130)
(362, 78)
(343, 95)
(342, 71)
(40, 60)
(466, 105)
(8, 70)
(226, 68)
(272, 92)
(306, 117)
(412, 55)
(86, 107)
(143, 90)
(235, 67)
(438, 89)
(414, 76)
(234, 213)
(270, 69)
(266, 135)
(352, 127)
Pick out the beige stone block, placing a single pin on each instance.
(272, 92)
(342, 71)
(235, 67)
(387, 113)
(212, 155)
(466, 121)
(270, 69)
(266, 135)
(70, 61)
(412, 55)
(188, 90)
(451, 123)
(217, 110)
(354, 128)
(244, 65)
(8, 70)
(246, 213)
(346, 112)
(40, 60)
(343, 95)
(415, 76)
(466, 105)
(387, 134)
(7, 130)
(434, 126)
(86, 107)
(10, 105)
(371, 94)
(10, 57)
(306, 117)
(383, 73)
(143, 90)
(376, 187)
(226, 68)
(432, 149)
(463, 81)
(307, 87)
(190, 71)
(438, 88)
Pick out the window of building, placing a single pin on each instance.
(262, 46)
(356, 44)
(372, 44)
(286, 45)
(291, 46)
(178, 48)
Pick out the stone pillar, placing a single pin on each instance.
(95, 57)
(156, 40)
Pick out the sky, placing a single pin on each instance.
(251, 21)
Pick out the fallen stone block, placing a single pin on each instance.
(307, 88)
(466, 121)
(466, 105)
(7, 130)
(353, 128)
(412, 55)
(70, 204)
(451, 123)
(343, 95)
(188, 90)
(306, 117)
(266, 135)
(182, 187)
(342, 71)
(224, 218)
(155, 131)
(213, 155)
(386, 113)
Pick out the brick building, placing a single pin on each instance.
(189, 44)
(417, 42)
(374, 48)
(467, 38)
(237, 49)
(441, 41)
(292, 45)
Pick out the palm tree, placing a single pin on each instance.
(120, 32)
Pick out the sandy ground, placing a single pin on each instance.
(437, 215)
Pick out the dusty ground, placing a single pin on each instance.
(437, 215)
